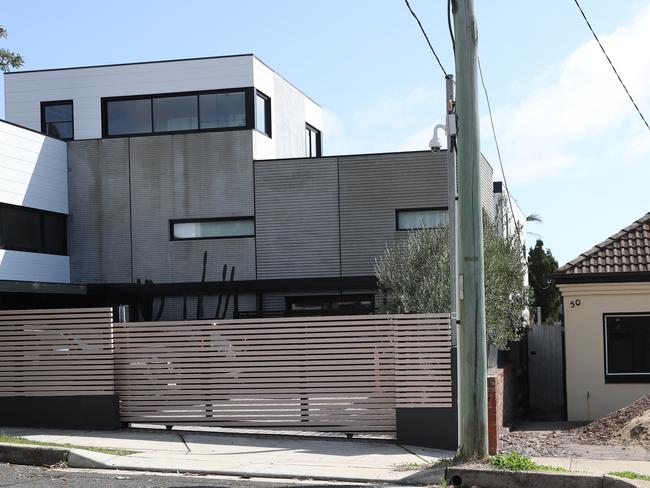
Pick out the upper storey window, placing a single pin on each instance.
(420, 218)
(56, 119)
(186, 112)
(263, 113)
(175, 113)
(312, 142)
(128, 117)
(219, 110)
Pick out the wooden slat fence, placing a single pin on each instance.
(310, 373)
(56, 352)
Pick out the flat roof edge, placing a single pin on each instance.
(131, 64)
(351, 155)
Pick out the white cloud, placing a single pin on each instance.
(553, 127)
(385, 124)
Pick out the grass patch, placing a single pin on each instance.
(630, 475)
(514, 461)
(105, 450)
(441, 463)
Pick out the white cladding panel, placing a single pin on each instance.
(33, 169)
(24, 92)
(31, 266)
(290, 109)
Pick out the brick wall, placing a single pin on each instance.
(495, 408)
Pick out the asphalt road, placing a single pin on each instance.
(32, 476)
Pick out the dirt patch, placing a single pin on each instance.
(626, 430)
(614, 428)
(538, 440)
(636, 430)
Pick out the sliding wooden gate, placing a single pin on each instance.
(56, 352)
(334, 373)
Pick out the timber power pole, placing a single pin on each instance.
(472, 360)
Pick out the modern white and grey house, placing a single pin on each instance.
(197, 187)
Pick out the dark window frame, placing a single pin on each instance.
(319, 143)
(416, 209)
(41, 213)
(267, 114)
(210, 219)
(50, 103)
(249, 107)
(329, 298)
(621, 377)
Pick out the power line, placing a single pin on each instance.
(451, 30)
(425, 36)
(612, 64)
(503, 172)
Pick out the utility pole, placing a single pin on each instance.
(472, 359)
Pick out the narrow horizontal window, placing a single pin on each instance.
(312, 142)
(220, 110)
(32, 230)
(183, 112)
(57, 119)
(627, 348)
(330, 305)
(213, 228)
(422, 218)
(175, 113)
(263, 113)
(128, 117)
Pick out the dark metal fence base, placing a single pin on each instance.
(99, 412)
(428, 427)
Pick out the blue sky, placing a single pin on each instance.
(574, 150)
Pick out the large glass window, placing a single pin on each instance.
(32, 230)
(263, 113)
(420, 218)
(213, 228)
(175, 113)
(57, 119)
(195, 111)
(312, 142)
(627, 348)
(222, 110)
(128, 117)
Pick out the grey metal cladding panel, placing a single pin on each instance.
(98, 225)
(296, 222)
(190, 176)
(372, 187)
(487, 196)
(274, 302)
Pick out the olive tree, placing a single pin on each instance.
(8, 59)
(414, 274)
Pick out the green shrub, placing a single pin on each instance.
(630, 474)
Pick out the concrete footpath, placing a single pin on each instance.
(597, 466)
(242, 455)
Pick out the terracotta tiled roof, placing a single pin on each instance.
(627, 251)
